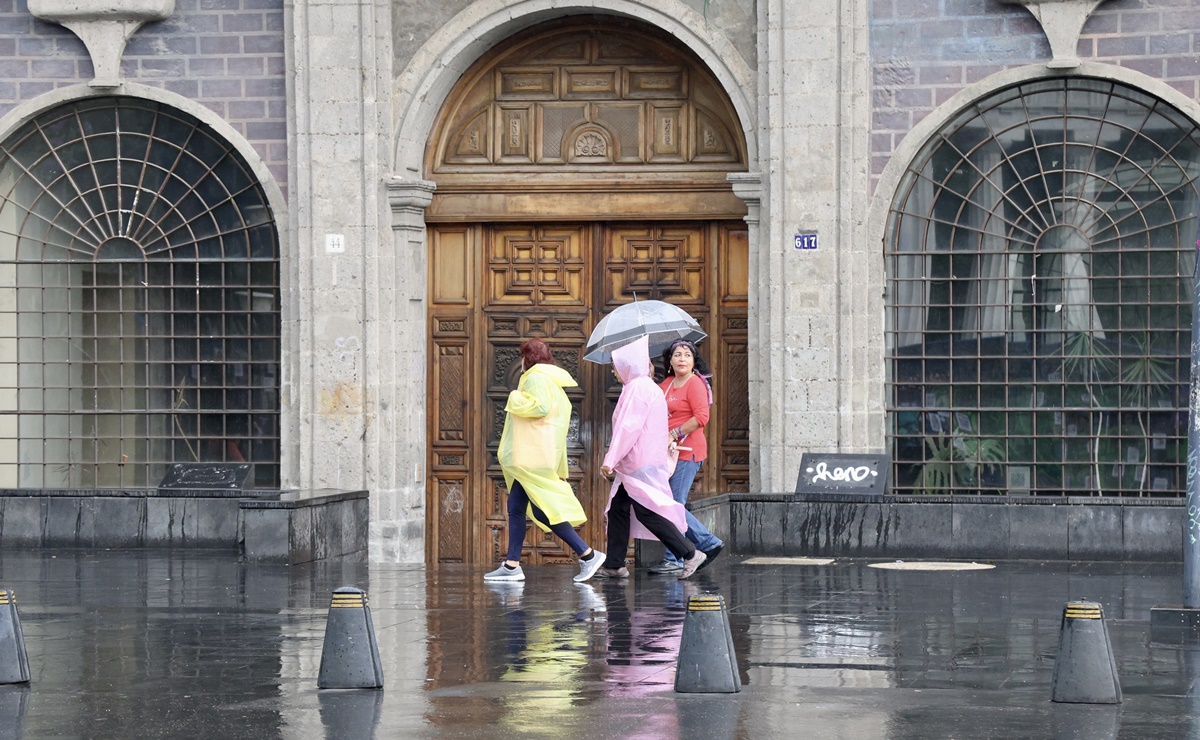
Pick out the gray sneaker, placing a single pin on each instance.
(588, 568)
(665, 567)
(504, 573)
(621, 572)
(692, 564)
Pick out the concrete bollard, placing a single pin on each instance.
(350, 655)
(14, 663)
(1085, 671)
(707, 663)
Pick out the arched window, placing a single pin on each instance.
(139, 300)
(1040, 255)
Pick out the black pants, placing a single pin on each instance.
(659, 526)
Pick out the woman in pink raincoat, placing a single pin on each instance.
(638, 463)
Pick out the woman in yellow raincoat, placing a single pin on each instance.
(533, 456)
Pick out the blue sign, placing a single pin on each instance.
(806, 241)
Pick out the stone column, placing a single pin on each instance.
(817, 323)
(749, 187)
(340, 54)
(397, 454)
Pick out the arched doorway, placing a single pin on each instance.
(576, 164)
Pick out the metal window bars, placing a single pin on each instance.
(139, 300)
(1038, 274)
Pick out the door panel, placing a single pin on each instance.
(656, 262)
(536, 280)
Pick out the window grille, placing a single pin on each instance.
(1039, 261)
(139, 300)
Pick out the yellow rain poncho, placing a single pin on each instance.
(533, 447)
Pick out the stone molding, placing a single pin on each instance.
(408, 200)
(421, 88)
(30, 109)
(749, 187)
(919, 135)
(1062, 21)
(104, 26)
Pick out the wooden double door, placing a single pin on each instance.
(492, 286)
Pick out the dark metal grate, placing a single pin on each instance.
(139, 300)
(1038, 275)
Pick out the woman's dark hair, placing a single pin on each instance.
(535, 352)
(700, 368)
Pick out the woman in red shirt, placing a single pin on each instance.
(689, 399)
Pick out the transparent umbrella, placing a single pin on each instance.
(662, 322)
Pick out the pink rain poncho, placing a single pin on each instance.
(638, 450)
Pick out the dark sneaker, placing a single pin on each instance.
(665, 567)
(621, 572)
(711, 555)
(692, 564)
(505, 573)
(588, 568)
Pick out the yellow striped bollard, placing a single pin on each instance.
(14, 663)
(707, 663)
(1085, 671)
(350, 655)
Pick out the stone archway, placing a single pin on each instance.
(577, 163)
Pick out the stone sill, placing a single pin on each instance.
(888, 498)
(301, 499)
(131, 492)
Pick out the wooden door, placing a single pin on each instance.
(494, 286)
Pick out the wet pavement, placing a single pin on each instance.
(140, 644)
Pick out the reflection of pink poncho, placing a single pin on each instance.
(638, 450)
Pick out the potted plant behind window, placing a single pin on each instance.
(1089, 363)
(1144, 379)
(958, 456)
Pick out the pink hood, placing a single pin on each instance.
(633, 360)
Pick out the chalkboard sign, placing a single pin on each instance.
(831, 472)
(206, 476)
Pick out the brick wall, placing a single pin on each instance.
(227, 55)
(925, 51)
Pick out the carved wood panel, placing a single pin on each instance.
(475, 360)
(537, 266)
(581, 93)
(660, 262)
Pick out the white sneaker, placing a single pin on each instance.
(505, 573)
(692, 564)
(588, 568)
(508, 593)
(590, 602)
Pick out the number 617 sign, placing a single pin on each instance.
(806, 241)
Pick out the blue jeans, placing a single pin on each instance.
(681, 484)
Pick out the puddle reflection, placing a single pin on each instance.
(14, 701)
(350, 714)
(642, 640)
